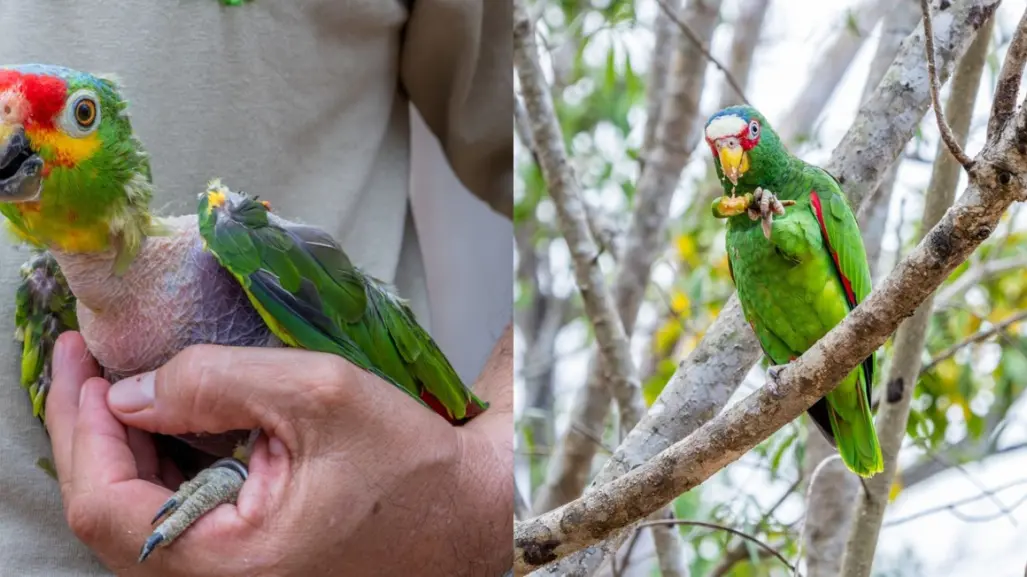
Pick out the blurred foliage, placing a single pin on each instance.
(599, 96)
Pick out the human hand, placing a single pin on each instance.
(353, 478)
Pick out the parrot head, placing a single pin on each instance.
(73, 177)
(745, 148)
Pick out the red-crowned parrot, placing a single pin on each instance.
(75, 185)
(798, 270)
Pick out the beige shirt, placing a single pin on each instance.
(306, 103)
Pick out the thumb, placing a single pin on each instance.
(214, 389)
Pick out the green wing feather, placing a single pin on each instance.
(313, 297)
(45, 307)
(849, 410)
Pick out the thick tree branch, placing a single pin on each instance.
(909, 341)
(616, 363)
(943, 125)
(996, 181)
(873, 215)
(569, 468)
(711, 373)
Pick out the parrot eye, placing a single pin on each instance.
(754, 129)
(85, 112)
(81, 114)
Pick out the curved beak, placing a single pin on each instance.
(21, 169)
(733, 159)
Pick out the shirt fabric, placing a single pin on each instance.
(306, 103)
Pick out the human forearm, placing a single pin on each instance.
(487, 470)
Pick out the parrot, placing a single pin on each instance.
(76, 187)
(798, 271)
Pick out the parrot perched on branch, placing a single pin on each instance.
(75, 185)
(798, 263)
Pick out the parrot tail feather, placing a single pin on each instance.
(856, 440)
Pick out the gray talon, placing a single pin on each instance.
(216, 485)
(773, 375)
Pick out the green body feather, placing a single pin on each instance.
(793, 291)
(312, 297)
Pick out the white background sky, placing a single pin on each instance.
(792, 34)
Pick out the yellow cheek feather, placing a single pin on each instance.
(66, 150)
(60, 225)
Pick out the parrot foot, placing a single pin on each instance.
(216, 485)
(765, 205)
(773, 379)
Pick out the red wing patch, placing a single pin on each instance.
(819, 212)
(472, 409)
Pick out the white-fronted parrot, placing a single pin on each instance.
(798, 270)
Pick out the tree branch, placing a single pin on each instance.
(701, 45)
(1008, 85)
(909, 341)
(975, 338)
(610, 507)
(569, 468)
(616, 362)
(986, 494)
(714, 526)
(943, 125)
(711, 373)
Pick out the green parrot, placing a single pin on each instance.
(799, 274)
(75, 185)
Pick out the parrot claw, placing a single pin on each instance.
(765, 205)
(773, 382)
(216, 485)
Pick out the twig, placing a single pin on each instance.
(616, 362)
(975, 338)
(714, 526)
(943, 125)
(739, 551)
(985, 494)
(691, 35)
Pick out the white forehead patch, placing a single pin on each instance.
(725, 126)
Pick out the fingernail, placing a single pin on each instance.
(132, 394)
(81, 395)
(61, 351)
(277, 448)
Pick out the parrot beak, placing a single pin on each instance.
(21, 169)
(733, 159)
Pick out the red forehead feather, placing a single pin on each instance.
(45, 94)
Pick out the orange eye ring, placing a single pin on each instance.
(85, 112)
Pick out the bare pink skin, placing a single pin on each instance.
(174, 294)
